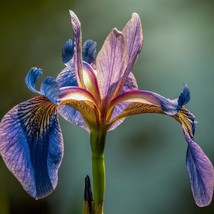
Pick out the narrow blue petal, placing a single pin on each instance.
(68, 51)
(72, 115)
(171, 107)
(31, 145)
(50, 89)
(184, 97)
(31, 78)
(67, 77)
(89, 51)
(201, 174)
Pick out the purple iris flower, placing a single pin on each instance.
(96, 93)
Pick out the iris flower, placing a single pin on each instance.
(96, 93)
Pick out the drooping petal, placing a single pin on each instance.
(50, 89)
(31, 145)
(32, 77)
(76, 26)
(68, 51)
(89, 51)
(82, 101)
(111, 63)
(199, 167)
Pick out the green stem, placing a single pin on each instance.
(97, 139)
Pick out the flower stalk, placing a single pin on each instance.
(97, 140)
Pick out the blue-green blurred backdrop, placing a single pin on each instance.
(145, 156)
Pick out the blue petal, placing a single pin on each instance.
(31, 145)
(68, 51)
(72, 115)
(201, 174)
(31, 78)
(89, 51)
(184, 97)
(171, 107)
(66, 77)
(50, 89)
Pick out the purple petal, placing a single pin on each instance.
(111, 63)
(170, 107)
(31, 79)
(130, 84)
(201, 174)
(31, 145)
(199, 167)
(133, 36)
(73, 116)
(76, 26)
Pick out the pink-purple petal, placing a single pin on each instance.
(76, 26)
(111, 63)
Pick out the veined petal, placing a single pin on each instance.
(111, 63)
(82, 101)
(129, 85)
(66, 77)
(199, 167)
(31, 145)
(50, 89)
(73, 116)
(170, 107)
(68, 51)
(76, 26)
(90, 81)
(89, 51)
(31, 79)
(133, 36)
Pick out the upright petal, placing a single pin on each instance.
(76, 26)
(111, 63)
(89, 51)
(31, 145)
(68, 51)
(50, 89)
(133, 36)
(67, 77)
(32, 77)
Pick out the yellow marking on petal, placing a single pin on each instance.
(89, 113)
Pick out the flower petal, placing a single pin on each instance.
(50, 89)
(67, 77)
(170, 107)
(82, 101)
(89, 51)
(31, 145)
(73, 116)
(76, 26)
(31, 79)
(111, 63)
(133, 36)
(199, 167)
(68, 51)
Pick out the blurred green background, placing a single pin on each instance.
(145, 156)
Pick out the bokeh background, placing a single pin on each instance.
(145, 156)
